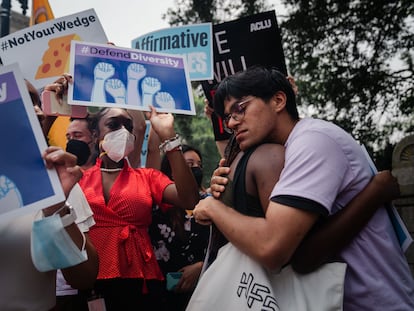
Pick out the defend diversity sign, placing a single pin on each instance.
(110, 76)
(42, 51)
(25, 183)
(242, 43)
(194, 42)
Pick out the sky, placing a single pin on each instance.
(122, 20)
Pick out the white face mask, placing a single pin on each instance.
(118, 144)
(51, 246)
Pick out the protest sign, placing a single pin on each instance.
(42, 51)
(239, 44)
(110, 76)
(194, 42)
(25, 183)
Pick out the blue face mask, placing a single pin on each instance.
(51, 246)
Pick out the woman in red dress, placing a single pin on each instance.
(121, 198)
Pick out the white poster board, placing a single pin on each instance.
(42, 51)
(109, 76)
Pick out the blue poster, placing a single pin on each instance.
(110, 76)
(194, 42)
(24, 180)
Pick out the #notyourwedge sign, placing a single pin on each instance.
(42, 50)
(194, 42)
(239, 44)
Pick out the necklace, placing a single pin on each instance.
(111, 170)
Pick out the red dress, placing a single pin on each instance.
(121, 234)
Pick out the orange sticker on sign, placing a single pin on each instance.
(55, 61)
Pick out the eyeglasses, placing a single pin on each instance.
(237, 112)
(116, 123)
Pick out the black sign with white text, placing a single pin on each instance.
(239, 44)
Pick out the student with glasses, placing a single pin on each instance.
(324, 169)
(236, 113)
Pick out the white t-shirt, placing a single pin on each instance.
(325, 164)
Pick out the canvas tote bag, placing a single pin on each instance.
(236, 282)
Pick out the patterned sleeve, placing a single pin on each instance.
(158, 182)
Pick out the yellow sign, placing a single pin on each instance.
(57, 133)
(41, 12)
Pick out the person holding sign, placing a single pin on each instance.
(324, 169)
(39, 244)
(28, 265)
(81, 129)
(122, 197)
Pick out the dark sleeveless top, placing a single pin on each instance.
(244, 202)
(237, 197)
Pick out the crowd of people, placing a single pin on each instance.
(289, 190)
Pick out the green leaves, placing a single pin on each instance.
(352, 66)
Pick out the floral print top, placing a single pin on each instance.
(177, 248)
